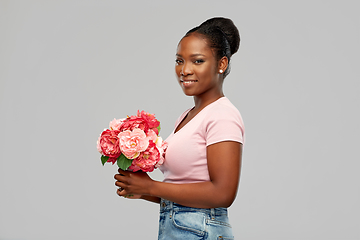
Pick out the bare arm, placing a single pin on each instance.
(224, 163)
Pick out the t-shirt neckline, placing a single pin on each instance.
(187, 112)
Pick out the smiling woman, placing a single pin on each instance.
(196, 66)
(203, 158)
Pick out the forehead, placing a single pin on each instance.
(193, 44)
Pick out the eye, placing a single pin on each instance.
(199, 61)
(178, 61)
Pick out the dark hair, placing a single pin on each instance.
(223, 37)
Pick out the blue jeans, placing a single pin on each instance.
(180, 222)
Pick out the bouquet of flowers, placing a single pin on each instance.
(133, 142)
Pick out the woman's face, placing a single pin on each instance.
(196, 67)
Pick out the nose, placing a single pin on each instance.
(186, 69)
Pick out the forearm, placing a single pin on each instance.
(199, 195)
(150, 198)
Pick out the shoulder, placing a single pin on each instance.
(223, 122)
(223, 109)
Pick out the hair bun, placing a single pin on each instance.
(228, 28)
(222, 37)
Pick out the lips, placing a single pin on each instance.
(187, 82)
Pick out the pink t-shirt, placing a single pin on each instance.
(185, 158)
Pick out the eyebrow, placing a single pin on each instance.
(192, 55)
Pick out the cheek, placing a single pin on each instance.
(204, 72)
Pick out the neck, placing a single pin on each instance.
(203, 101)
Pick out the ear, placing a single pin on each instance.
(223, 64)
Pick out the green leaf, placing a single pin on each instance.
(104, 159)
(158, 128)
(123, 162)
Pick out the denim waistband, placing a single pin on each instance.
(166, 205)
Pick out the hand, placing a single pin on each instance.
(129, 196)
(132, 184)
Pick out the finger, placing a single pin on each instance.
(120, 184)
(122, 192)
(119, 192)
(122, 171)
(119, 177)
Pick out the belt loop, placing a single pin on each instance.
(212, 213)
(171, 206)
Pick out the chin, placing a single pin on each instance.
(188, 94)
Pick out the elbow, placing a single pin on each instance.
(225, 195)
(228, 202)
(225, 200)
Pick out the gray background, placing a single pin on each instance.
(69, 67)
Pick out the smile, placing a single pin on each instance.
(188, 81)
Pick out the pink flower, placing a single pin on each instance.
(133, 122)
(116, 124)
(147, 160)
(137, 138)
(161, 146)
(108, 143)
(98, 146)
(133, 142)
(149, 118)
(152, 135)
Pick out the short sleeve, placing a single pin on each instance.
(224, 123)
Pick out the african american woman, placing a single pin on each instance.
(203, 158)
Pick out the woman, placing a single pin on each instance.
(203, 158)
